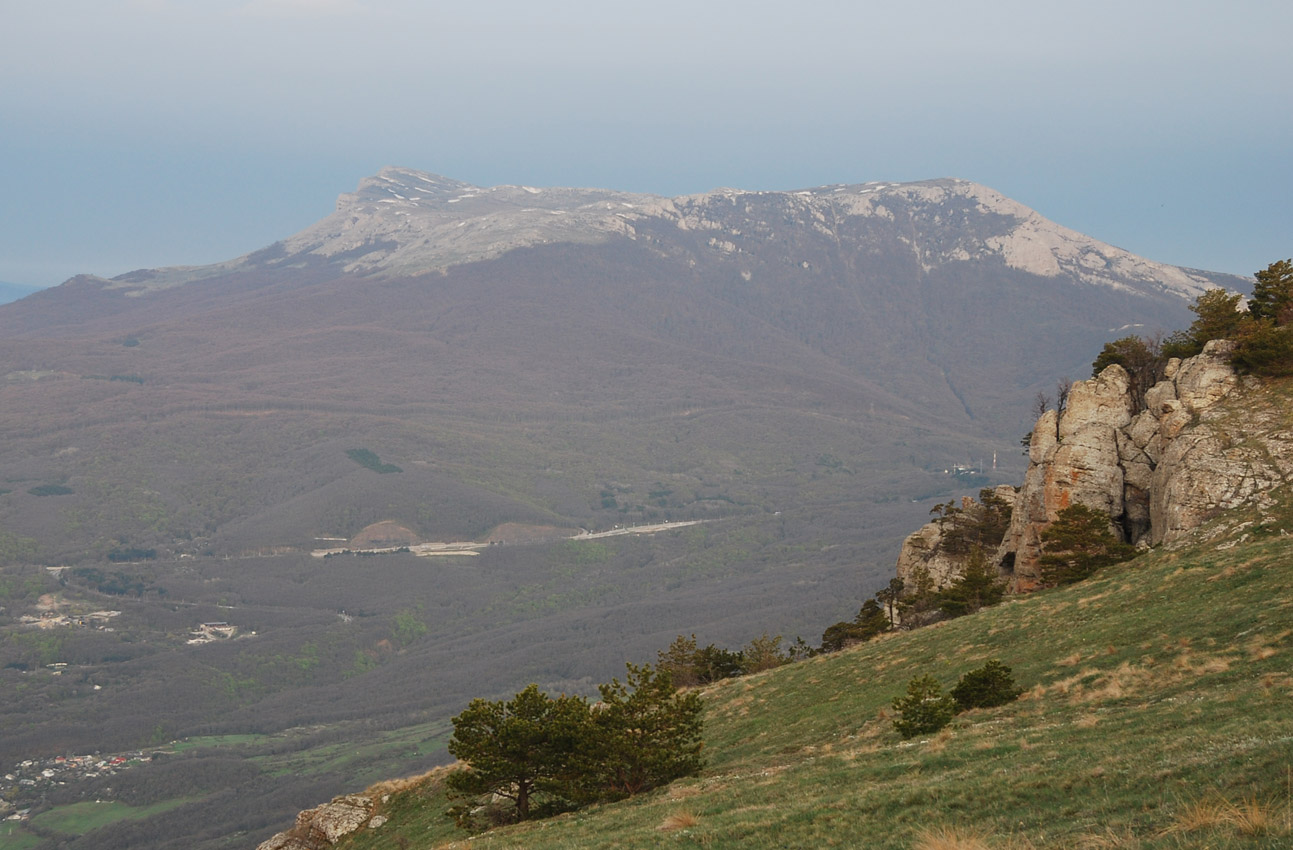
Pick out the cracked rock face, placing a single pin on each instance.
(1157, 472)
(323, 826)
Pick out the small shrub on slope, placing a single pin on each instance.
(924, 709)
(990, 685)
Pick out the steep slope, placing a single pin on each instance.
(1154, 716)
(1181, 651)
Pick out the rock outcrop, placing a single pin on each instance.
(323, 826)
(1157, 471)
(1158, 468)
(931, 557)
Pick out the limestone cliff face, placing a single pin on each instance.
(1158, 471)
(1203, 441)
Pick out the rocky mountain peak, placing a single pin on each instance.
(402, 221)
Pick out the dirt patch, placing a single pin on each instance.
(515, 534)
(49, 602)
(384, 535)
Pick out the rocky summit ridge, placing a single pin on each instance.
(403, 221)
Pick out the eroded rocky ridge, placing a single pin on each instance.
(1204, 440)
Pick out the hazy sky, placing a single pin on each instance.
(137, 133)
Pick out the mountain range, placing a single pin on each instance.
(530, 349)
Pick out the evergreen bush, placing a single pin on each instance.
(990, 685)
(924, 709)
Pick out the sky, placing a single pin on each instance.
(145, 133)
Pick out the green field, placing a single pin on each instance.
(1157, 713)
(80, 818)
(13, 837)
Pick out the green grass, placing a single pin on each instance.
(13, 838)
(80, 818)
(1157, 686)
(361, 759)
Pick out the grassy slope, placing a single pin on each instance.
(1156, 688)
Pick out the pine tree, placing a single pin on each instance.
(989, 686)
(978, 587)
(924, 708)
(1077, 544)
(646, 734)
(1272, 296)
(522, 750)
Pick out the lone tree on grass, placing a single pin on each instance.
(989, 686)
(548, 755)
(924, 708)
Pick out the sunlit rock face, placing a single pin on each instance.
(1158, 471)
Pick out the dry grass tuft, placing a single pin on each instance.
(938, 743)
(1249, 816)
(1215, 664)
(678, 820)
(1016, 842)
(1260, 652)
(1036, 692)
(1225, 573)
(1270, 681)
(1071, 660)
(427, 782)
(1254, 817)
(1127, 679)
(950, 838)
(1206, 813)
(1087, 721)
(1065, 686)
